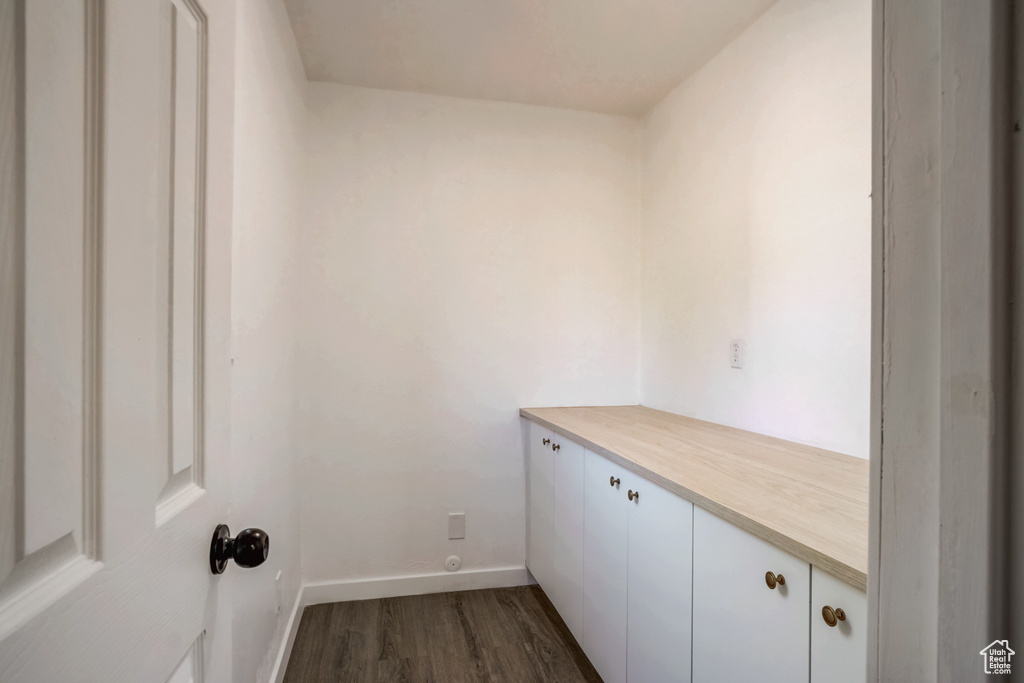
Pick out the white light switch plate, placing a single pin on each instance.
(456, 525)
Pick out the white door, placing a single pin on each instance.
(659, 586)
(604, 567)
(115, 214)
(567, 535)
(839, 630)
(541, 497)
(742, 629)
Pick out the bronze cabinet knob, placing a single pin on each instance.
(832, 616)
(555, 446)
(772, 580)
(613, 481)
(634, 496)
(546, 441)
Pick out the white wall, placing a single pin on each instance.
(756, 225)
(269, 132)
(460, 259)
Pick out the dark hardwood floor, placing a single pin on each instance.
(504, 635)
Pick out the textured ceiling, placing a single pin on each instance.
(612, 56)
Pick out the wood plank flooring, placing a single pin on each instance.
(504, 635)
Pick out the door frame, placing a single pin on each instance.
(944, 233)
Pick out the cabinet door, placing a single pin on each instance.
(838, 653)
(659, 585)
(604, 567)
(567, 538)
(541, 497)
(742, 630)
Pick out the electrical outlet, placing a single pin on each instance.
(456, 525)
(736, 353)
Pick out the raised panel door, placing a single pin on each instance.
(116, 125)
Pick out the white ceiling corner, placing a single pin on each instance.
(610, 56)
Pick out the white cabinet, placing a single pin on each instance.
(839, 652)
(555, 541)
(655, 589)
(604, 567)
(659, 586)
(566, 583)
(636, 577)
(541, 505)
(744, 630)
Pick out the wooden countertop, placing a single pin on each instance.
(810, 502)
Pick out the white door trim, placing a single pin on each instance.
(942, 346)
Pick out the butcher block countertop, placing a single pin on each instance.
(810, 502)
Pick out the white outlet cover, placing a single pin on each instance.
(736, 353)
(456, 525)
(453, 563)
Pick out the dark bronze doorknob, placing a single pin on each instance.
(249, 549)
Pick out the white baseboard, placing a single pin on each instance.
(390, 587)
(416, 584)
(291, 630)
